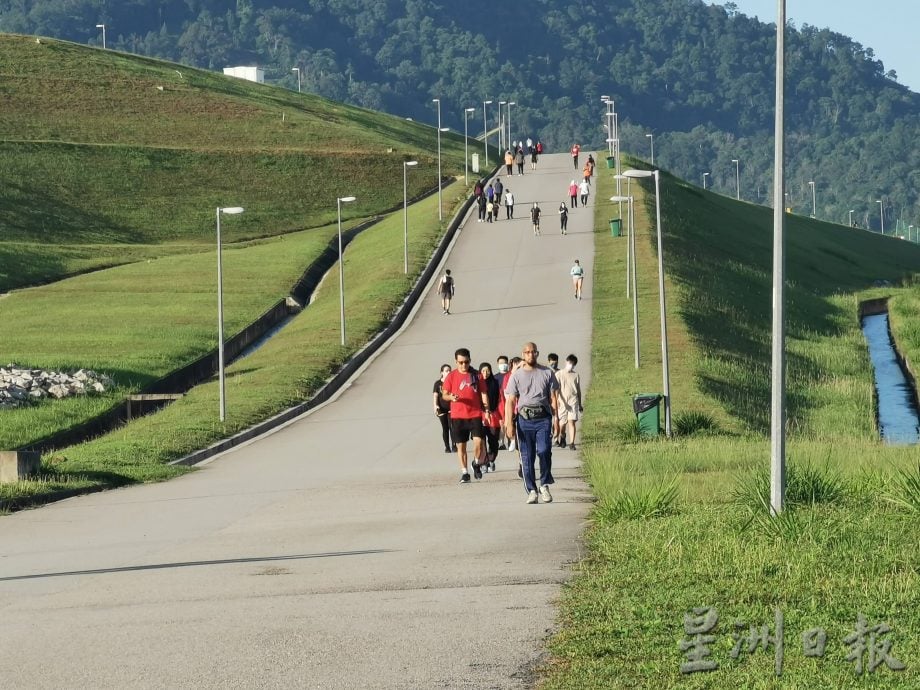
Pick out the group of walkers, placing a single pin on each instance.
(515, 155)
(524, 406)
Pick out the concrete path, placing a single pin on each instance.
(339, 551)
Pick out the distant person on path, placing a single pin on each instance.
(586, 173)
(578, 277)
(519, 159)
(478, 189)
(490, 192)
(591, 164)
(534, 389)
(442, 409)
(569, 405)
(573, 194)
(466, 391)
(533, 158)
(490, 210)
(502, 366)
(584, 189)
(509, 204)
(481, 207)
(539, 147)
(492, 422)
(563, 217)
(499, 189)
(575, 151)
(446, 290)
(535, 218)
(509, 161)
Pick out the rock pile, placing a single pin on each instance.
(21, 386)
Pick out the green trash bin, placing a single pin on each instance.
(645, 405)
(615, 225)
(611, 162)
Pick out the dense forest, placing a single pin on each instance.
(699, 78)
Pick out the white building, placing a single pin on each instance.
(256, 74)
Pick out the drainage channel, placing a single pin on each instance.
(898, 419)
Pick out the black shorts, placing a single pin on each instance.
(463, 429)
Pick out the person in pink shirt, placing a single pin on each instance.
(573, 194)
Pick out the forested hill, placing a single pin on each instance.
(699, 77)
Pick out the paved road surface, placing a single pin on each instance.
(339, 551)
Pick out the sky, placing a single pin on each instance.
(883, 25)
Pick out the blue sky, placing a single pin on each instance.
(883, 25)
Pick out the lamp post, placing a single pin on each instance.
(851, 217)
(466, 143)
(485, 132)
(440, 207)
(881, 214)
(910, 232)
(297, 69)
(231, 211)
(737, 178)
(705, 175)
(102, 26)
(510, 103)
(501, 129)
(814, 203)
(631, 269)
(666, 383)
(406, 166)
(651, 142)
(338, 202)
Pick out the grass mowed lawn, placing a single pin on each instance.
(680, 524)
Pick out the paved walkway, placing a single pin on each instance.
(339, 551)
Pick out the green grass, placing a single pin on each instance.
(842, 548)
(285, 371)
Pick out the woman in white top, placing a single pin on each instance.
(578, 277)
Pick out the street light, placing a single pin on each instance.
(705, 175)
(510, 103)
(406, 166)
(910, 232)
(737, 178)
(631, 268)
(440, 208)
(338, 202)
(881, 214)
(466, 143)
(501, 129)
(230, 211)
(297, 69)
(485, 132)
(851, 217)
(814, 204)
(102, 26)
(666, 383)
(651, 141)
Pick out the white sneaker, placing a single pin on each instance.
(531, 497)
(545, 495)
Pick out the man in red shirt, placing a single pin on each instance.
(466, 390)
(575, 150)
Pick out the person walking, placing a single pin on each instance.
(490, 210)
(534, 390)
(481, 207)
(535, 218)
(573, 194)
(509, 204)
(492, 422)
(446, 290)
(584, 190)
(575, 150)
(586, 173)
(499, 190)
(578, 277)
(569, 405)
(519, 159)
(465, 389)
(563, 217)
(509, 161)
(533, 158)
(442, 409)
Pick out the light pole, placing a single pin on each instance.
(230, 210)
(501, 129)
(737, 178)
(485, 132)
(510, 103)
(440, 207)
(814, 203)
(297, 69)
(851, 217)
(406, 166)
(881, 214)
(705, 175)
(651, 142)
(466, 143)
(338, 202)
(666, 383)
(102, 26)
(631, 269)
(910, 232)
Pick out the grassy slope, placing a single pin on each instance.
(96, 155)
(622, 616)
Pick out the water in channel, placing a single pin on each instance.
(897, 415)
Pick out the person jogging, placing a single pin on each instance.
(578, 277)
(446, 290)
(466, 390)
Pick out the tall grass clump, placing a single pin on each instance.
(906, 490)
(641, 503)
(692, 422)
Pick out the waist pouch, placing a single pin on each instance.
(533, 412)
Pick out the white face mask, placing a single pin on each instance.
(569, 366)
(503, 368)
